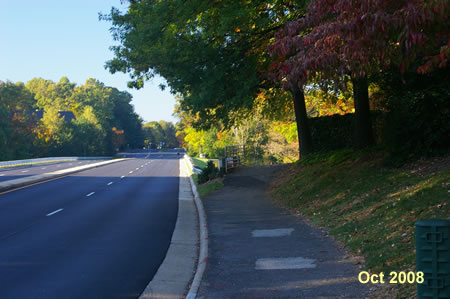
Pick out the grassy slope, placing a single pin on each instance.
(369, 208)
(210, 187)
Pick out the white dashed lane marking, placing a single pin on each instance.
(25, 170)
(284, 263)
(54, 212)
(122, 177)
(131, 172)
(110, 183)
(90, 194)
(2, 174)
(44, 168)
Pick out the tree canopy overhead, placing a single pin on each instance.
(358, 38)
(213, 54)
(227, 59)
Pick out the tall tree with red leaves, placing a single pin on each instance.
(357, 38)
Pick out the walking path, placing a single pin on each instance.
(256, 249)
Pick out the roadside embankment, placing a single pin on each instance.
(369, 208)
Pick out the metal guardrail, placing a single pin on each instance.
(47, 160)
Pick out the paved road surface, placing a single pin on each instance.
(101, 233)
(13, 173)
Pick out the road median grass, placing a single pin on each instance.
(369, 208)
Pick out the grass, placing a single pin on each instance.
(200, 162)
(210, 187)
(195, 178)
(369, 208)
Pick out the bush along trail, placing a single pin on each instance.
(368, 207)
(210, 179)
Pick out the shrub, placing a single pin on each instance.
(332, 132)
(209, 173)
(418, 121)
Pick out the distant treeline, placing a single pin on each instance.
(43, 118)
(160, 134)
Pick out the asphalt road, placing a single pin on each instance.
(18, 172)
(101, 233)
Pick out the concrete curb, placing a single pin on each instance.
(203, 256)
(17, 183)
(175, 273)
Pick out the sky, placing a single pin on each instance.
(56, 38)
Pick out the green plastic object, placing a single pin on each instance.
(433, 258)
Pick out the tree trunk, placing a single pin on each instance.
(305, 144)
(363, 125)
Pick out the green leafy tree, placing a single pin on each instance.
(15, 97)
(213, 54)
(161, 132)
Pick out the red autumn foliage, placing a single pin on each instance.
(359, 37)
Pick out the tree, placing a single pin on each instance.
(126, 120)
(6, 152)
(15, 97)
(161, 132)
(359, 38)
(101, 112)
(48, 93)
(213, 54)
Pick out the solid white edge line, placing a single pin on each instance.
(54, 212)
(2, 174)
(92, 193)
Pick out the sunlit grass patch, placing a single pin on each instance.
(210, 187)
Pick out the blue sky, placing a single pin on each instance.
(55, 38)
